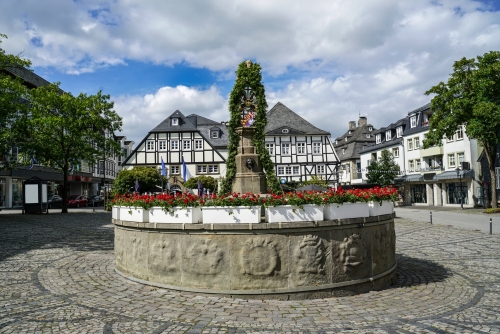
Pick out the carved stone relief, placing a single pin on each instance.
(352, 252)
(259, 257)
(203, 258)
(310, 255)
(164, 256)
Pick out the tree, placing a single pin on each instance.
(149, 178)
(207, 182)
(383, 171)
(61, 130)
(12, 101)
(471, 98)
(248, 75)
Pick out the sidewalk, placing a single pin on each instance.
(470, 219)
(51, 211)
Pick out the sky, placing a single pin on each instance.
(328, 60)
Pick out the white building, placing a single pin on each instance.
(429, 177)
(298, 149)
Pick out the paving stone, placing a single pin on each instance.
(57, 276)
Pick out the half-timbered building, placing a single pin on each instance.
(299, 150)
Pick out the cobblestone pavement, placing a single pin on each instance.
(57, 276)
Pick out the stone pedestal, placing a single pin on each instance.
(249, 171)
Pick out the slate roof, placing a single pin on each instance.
(355, 142)
(184, 124)
(280, 117)
(28, 76)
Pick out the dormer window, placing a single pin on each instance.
(367, 135)
(370, 128)
(399, 131)
(215, 134)
(413, 121)
(350, 131)
(378, 138)
(284, 131)
(175, 121)
(388, 135)
(345, 138)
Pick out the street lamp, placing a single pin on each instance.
(459, 175)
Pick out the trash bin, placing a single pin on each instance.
(35, 195)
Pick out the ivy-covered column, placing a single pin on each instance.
(247, 108)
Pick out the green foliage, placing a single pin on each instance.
(383, 171)
(61, 130)
(492, 210)
(317, 180)
(207, 182)
(252, 77)
(12, 94)
(148, 177)
(471, 97)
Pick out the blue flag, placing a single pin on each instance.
(163, 170)
(32, 163)
(200, 188)
(185, 171)
(136, 184)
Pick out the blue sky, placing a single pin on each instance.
(328, 60)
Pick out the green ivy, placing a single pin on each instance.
(252, 77)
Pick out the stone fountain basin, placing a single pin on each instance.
(266, 261)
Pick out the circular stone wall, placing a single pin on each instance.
(270, 260)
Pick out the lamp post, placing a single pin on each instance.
(459, 175)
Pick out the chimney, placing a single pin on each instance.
(362, 121)
(352, 125)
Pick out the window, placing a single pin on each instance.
(296, 170)
(411, 165)
(198, 144)
(460, 133)
(186, 145)
(395, 152)
(150, 145)
(174, 145)
(316, 148)
(345, 138)
(388, 135)
(449, 139)
(284, 131)
(451, 160)
(213, 169)
(288, 170)
(410, 144)
(320, 169)
(285, 149)
(175, 121)
(201, 169)
(417, 142)
(378, 138)
(413, 121)
(418, 165)
(174, 169)
(215, 133)
(281, 170)
(460, 159)
(367, 135)
(343, 151)
(270, 148)
(301, 148)
(399, 131)
(350, 131)
(162, 145)
(370, 128)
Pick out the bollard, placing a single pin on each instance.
(491, 226)
(431, 217)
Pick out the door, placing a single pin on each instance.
(2, 192)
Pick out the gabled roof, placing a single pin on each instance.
(184, 124)
(200, 120)
(280, 116)
(28, 76)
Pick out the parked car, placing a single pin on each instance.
(77, 201)
(54, 201)
(95, 200)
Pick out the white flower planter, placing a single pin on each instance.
(138, 215)
(115, 212)
(231, 215)
(377, 209)
(346, 210)
(177, 215)
(291, 213)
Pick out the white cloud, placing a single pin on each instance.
(142, 113)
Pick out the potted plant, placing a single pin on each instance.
(293, 207)
(343, 204)
(175, 209)
(235, 208)
(381, 200)
(132, 207)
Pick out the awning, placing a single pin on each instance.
(469, 174)
(409, 178)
